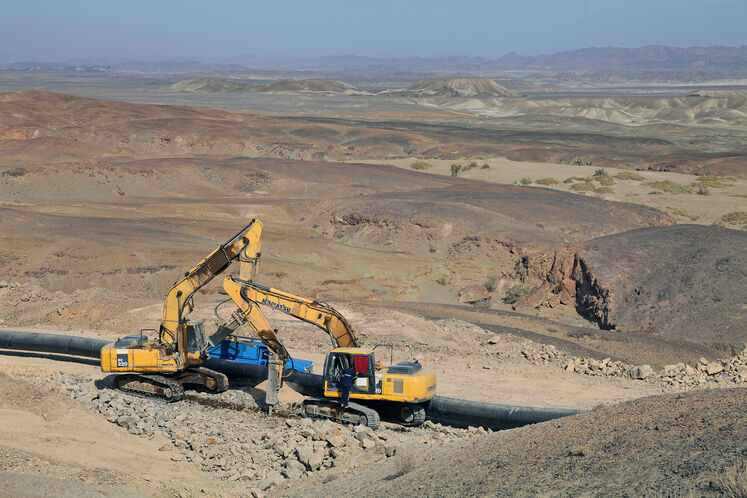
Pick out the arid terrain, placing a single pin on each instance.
(541, 248)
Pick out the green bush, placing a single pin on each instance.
(514, 293)
(604, 190)
(600, 172)
(605, 180)
(525, 181)
(582, 187)
(485, 166)
(470, 166)
(670, 186)
(547, 181)
(703, 190)
(456, 169)
(441, 280)
(629, 175)
(421, 165)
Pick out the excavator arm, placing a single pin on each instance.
(248, 312)
(323, 316)
(245, 244)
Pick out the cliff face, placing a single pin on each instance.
(681, 281)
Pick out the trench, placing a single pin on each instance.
(452, 411)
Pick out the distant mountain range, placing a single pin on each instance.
(716, 60)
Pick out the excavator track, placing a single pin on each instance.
(216, 382)
(412, 414)
(353, 413)
(171, 388)
(150, 385)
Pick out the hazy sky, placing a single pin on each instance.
(154, 29)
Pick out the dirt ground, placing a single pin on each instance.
(103, 205)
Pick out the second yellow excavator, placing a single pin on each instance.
(401, 390)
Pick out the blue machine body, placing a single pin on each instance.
(252, 350)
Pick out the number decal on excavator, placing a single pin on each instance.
(123, 358)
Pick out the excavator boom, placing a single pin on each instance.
(322, 315)
(179, 296)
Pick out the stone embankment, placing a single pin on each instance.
(228, 435)
(729, 372)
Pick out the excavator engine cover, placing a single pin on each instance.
(405, 367)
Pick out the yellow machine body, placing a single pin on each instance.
(140, 354)
(412, 385)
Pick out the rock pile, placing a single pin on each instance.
(722, 373)
(228, 435)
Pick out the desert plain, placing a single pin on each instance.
(538, 245)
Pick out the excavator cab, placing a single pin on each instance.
(363, 364)
(196, 338)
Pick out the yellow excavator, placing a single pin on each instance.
(165, 364)
(400, 391)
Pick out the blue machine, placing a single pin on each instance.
(252, 350)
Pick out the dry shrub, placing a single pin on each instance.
(514, 293)
(582, 187)
(406, 460)
(629, 175)
(421, 165)
(581, 451)
(733, 482)
(547, 181)
(670, 186)
(711, 181)
(491, 283)
(605, 180)
(684, 214)
(735, 218)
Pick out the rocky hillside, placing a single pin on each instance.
(312, 86)
(455, 87)
(675, 444)
(211, 85)
(681, 281)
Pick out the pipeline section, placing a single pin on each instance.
(453, 411)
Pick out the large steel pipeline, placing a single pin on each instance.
(442, 409)
(51, 343)
(496, 416)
